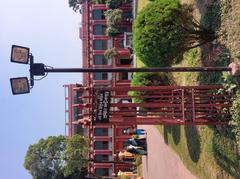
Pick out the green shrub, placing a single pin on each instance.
(113, 17)
(235, 120)
(112, 31)
(165, 29)
(113, 4)
(148, 79)
(232, 84)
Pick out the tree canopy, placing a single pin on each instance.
(164, 29)
(57, 157)
(75, 4)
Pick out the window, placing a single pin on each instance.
(100, 44)
(102, 172)
(100, 76)
(98, 14)
(121, 43)
(124, 76)
(126, 61)
(100, 60)
(76, 98)
(101, 132)
(127, 15)
(101, 157)
(99, 29)
(76, 111)
(77, 129)
(101, 145)
(123, 29)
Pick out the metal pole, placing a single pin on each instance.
(160, 69)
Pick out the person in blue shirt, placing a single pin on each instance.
(134, 131)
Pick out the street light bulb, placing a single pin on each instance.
(19, 54)
(20, 85)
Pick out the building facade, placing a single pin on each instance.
(107, 140)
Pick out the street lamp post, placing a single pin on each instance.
(22, 55)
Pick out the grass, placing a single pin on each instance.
(208, 151)
(141, 4)
(191, 59)
(204, 154)
(190, 149)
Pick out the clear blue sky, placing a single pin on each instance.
(50, 29)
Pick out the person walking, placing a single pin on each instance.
(137, 142)
(136, 150)
(126, 156)
(134, 131)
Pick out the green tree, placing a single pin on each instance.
(50, 158)
(165, 29)
(77, 148)
(75, 4)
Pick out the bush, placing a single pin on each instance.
(148, 79)
(113, 17)
(165, 29)
(235, 120)
(231, 84)
(113, 4)
(112, 31)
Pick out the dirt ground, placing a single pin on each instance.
(229, 26)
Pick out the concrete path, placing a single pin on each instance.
(162, 162)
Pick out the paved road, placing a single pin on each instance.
(162, 162)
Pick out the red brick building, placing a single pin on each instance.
(106, 139)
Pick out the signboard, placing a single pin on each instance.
(102, 106)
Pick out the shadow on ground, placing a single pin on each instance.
(193, 142)
(174, 131)
(215, 54)
(226, 151)
(166, 130)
